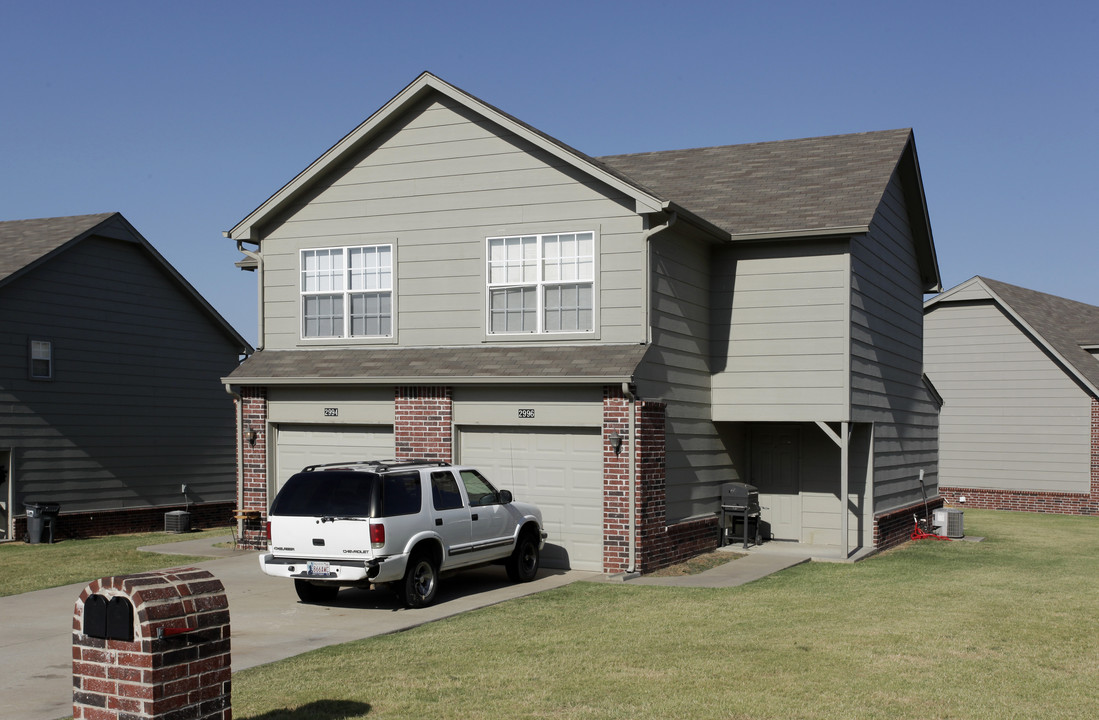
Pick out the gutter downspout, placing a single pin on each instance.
(646, 275)
(631, 437)
(240, 453)
(258, 257)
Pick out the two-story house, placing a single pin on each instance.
(110, 400)
(611, 338)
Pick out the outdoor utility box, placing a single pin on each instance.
(152, 645)
(948, 522)
(177, 521)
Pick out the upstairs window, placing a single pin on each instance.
(347, 292)
(541, 283)
(41, 360)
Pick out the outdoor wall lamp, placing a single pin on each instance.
(616, 442)
(250, 435)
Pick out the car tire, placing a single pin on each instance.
(420, 583)
(315, 592)
(523, 563)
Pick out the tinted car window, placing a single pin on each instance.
(401, 494)
(444, 491)
(330, 492)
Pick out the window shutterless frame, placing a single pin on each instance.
(541, 283)
(40, 358)
(347, 292)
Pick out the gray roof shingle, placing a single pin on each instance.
(1065, 324)
(23, 242)
(597, 363)
(788, 186)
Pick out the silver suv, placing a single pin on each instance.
(398, 522)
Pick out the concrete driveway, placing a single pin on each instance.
(267, 620)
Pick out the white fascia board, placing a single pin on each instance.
(245, 229)
(945, 295)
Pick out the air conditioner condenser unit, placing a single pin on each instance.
(948, 522)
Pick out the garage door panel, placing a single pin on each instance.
(300, 445)
(558, 469)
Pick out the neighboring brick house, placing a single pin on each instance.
(612, 338)
(110, 399)
(1018, 371)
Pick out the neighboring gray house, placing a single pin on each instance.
(613, 338)
(1018, 371)
(110, 397)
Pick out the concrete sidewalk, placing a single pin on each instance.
(269, 623)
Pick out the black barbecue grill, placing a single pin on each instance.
(740, 503)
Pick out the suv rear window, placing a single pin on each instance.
(330, 492)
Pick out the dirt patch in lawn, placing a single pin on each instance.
(697, 564)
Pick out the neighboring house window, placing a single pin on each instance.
(41, 359)
(541, 283)
(347, 292)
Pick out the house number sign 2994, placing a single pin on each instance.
(331, 412)
(526, 414)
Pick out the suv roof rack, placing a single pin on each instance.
(379, 465)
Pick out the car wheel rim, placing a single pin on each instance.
(424, 580)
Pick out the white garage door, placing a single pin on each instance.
(558, 469)
(301, 445)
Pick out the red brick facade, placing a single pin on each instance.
(423, 423)
(895, 527)
(253, 442)
(1047, 502)
(177, 664)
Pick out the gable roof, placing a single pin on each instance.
(421, 87)
(1063, 327)
(27, 244)
(792, 188)
(494, 364)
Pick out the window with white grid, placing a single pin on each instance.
(541, 283)
(347, 292)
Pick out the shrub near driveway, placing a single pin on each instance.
(24, 568)
(999, 629)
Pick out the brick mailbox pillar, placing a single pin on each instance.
(152, 645)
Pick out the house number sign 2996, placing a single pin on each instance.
(331, 412)
(526, 414)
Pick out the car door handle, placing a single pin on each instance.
(438, 521)
(474, 516)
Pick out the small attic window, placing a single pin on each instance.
(41, 360)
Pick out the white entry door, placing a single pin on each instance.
(558, 469)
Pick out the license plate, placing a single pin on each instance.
(318, 568)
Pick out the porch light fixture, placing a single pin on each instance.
(250, 435)
(616, 442)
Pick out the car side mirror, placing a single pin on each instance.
(505, 497)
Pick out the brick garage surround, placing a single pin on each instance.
(423, 425)
(188, 675)
(1033, 501)
(657, 543)
(254, 470)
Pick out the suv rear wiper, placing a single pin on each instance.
(332, 518)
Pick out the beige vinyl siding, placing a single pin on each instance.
(1012, 419)
(780, 329)
(136, 408)
(436, 185)
(887, 388)
(677, 371)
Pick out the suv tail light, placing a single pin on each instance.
(268, 532)
(377, 535)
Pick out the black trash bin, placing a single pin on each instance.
(40, 515)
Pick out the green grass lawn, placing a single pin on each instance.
(33, 567)
(1005, 628)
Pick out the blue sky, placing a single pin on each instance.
(185, 116)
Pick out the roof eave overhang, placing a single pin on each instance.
(248, 229)
(421, 379)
